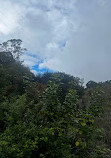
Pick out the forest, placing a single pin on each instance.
(50, 115)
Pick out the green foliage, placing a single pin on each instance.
(65, 81)
(50, 116)
(96, 101)
(48, 128)
(91, 84)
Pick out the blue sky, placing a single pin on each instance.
(36, 70)
(72, 36)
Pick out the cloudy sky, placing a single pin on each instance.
(72, 36)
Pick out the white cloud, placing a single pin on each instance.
(67, 35)
(10, 16)
(29, 60)
(34, 72)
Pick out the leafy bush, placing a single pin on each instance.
(49, 128)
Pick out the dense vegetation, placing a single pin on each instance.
(50, 115)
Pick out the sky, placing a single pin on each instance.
(71, 36)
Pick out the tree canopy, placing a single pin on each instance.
(50, 115)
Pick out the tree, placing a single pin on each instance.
(91, 84)
(47, 128)
(14, 46)
(6, 58)
(64, 80)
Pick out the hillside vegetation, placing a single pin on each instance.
(51, 115)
